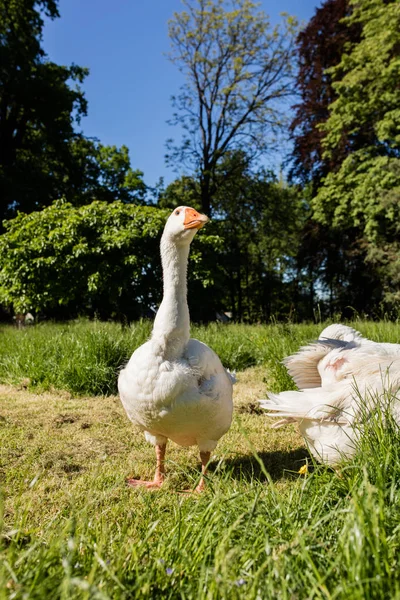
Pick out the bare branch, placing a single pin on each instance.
(238, 72)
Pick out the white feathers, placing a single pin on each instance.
(336, 331)
(174, 387)
(341, 379)
(232, 375)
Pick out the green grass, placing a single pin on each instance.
(84, 357)
(72, 529)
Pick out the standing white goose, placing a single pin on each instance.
(175, 387)
(332, 373)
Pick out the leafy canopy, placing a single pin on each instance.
(103, 173)
(320, 46)
(365, 189)
(99, 259)
(42, 156)
(39, 103)
(363, 192)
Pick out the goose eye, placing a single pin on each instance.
(177, 212)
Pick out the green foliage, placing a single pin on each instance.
(184, 191)
(99, 259)
(367, 77)
(260, 220)
(320, 46)
(331, 261)
(39, 103)
(102, 173)
(103, 258)
(42, 158)
(364, 191)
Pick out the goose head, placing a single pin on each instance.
(182, 224)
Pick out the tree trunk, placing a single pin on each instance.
(205, 189)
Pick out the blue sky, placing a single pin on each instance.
(131, 81)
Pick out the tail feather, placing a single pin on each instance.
(232, 376)
(335, 344)
(303, 366)
(296, 405)
(315, 405)
(283, 422)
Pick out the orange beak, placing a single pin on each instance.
(193, 219)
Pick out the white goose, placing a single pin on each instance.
(332, 373)
(175, 387)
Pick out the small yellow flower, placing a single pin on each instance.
(303, 470)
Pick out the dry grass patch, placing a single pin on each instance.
(282, 451)
(56, 447)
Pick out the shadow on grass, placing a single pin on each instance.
(278, 464)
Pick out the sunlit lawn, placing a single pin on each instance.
(73, 529)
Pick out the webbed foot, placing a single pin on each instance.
(155, 484)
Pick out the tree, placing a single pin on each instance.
(320, 46)
(38, 107)
(184, 191)
(332, 261)
(364, 191)
(238, 74)
(99, 259)
(333, 273)
(95, 259)
(100, 172)
(260, 221)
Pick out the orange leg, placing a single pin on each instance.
(204, 457)
(159, 474)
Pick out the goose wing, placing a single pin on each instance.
(207, 366)
(305, 366)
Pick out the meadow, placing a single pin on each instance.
(71, 528)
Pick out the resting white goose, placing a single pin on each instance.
(332, 373)
(175, 387)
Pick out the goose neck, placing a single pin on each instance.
(172, 320)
